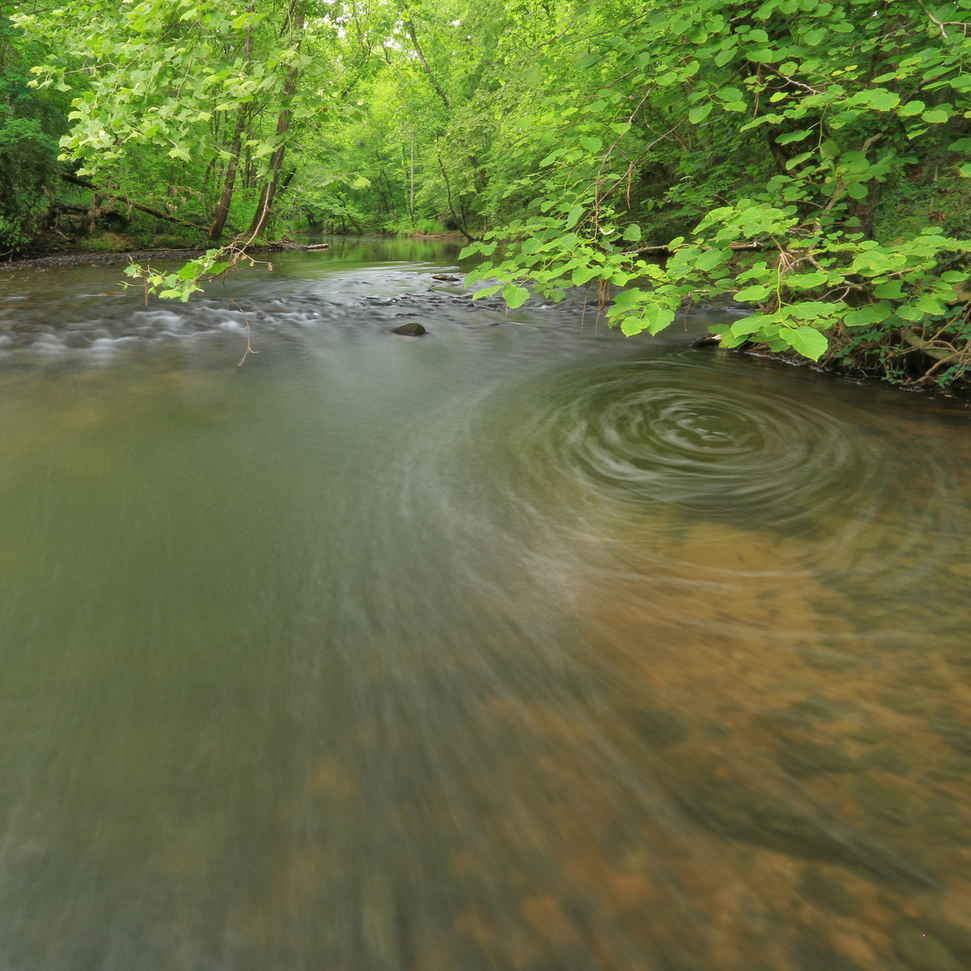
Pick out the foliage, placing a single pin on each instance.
(828, 101)
(809, 157)
(30, 124)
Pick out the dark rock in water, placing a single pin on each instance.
(445, 277)
(660, 728)
(923, 951)
(414, 329)
(762, 819)
(734, 810)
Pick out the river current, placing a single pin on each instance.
(518, 646)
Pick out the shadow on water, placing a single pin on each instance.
(516, 646)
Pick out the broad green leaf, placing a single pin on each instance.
(583, 274)
(908, 312)
(911, 108)
(807, 341)
(864, 316)
(793, 136)
(514, 296)
(710, 259)
(753, 293)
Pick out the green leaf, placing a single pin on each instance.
(710, 259)
(807, 341)
(891, 290)
(514, 296)
(632, 233)
(935, 116)
(793, 136)
(699, 113)
(864, 316)
(574, 215)
(485, 291)
(753, 293)
(583, 274)
(591, 143)
(910, 109)
(907, 312)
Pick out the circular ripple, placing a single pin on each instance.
(673, 432)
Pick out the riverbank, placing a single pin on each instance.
(901, 364)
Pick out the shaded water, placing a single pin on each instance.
(518, 646)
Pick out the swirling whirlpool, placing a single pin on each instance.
(664, 432)
(668, 435)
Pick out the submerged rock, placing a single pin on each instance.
(762, 819)
(414, 329)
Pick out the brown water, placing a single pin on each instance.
(518, 646)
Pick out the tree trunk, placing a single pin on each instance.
(265, 206)
(225, 200)
(229, 181)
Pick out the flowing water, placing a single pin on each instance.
(519, 646)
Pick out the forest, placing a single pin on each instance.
(805, 157)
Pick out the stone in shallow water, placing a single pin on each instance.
(414, 329)
(732, 809)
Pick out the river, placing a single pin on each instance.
(518, 646)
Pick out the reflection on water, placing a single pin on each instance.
(513, 647)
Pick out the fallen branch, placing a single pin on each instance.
(74, 180)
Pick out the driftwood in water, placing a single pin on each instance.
(74, 180)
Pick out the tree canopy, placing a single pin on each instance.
(809, 157)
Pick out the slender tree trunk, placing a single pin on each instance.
(265, 206)
(451, 208)
(229, 181)
(225, 200)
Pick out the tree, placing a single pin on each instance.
(30, 124)
(807, 108)
(185, 87)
